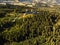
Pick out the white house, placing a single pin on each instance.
(19, 3)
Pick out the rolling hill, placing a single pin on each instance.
(18, 28)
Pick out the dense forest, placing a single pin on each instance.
(18, 28)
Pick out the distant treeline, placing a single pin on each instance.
(13, 8)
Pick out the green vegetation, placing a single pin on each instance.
(42, 28)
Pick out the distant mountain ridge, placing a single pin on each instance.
(49, 1)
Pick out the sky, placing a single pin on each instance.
(58, 1)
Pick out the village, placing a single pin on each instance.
(34, 3)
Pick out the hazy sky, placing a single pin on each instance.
(58, 1)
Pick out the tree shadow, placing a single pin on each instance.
(6, 25)
(2, 15)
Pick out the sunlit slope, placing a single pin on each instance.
(42, 28)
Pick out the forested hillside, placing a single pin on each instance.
(18, 28)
